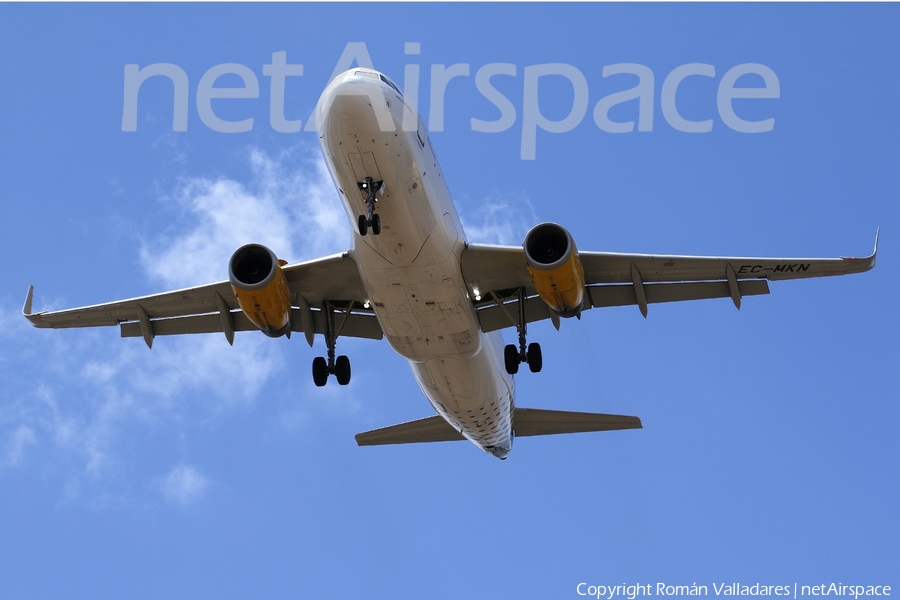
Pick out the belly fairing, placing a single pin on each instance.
(423, 308)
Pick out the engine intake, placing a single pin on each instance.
(555, 268)
(261, 289)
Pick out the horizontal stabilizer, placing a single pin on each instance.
(526, 422)
(534, 421)
(430, 429)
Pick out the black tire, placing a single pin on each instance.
(535, 359)
(320, 371)
(342, 370)
(511, 358)
(376, 224)
(361, 223)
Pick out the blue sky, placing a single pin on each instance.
(198, 470)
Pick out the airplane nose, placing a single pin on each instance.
(353, 97)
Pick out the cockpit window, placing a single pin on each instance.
(369, 74)
(391, 83)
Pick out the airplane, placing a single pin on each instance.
(411, 276)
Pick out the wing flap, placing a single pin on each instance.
(356, 325)
(187, 325)
(493, 317)
(623, 295)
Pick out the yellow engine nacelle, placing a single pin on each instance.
(555, 268)
(261, 289)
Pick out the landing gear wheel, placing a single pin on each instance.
(342, 370)
(376, 224)
(535, 359)
(320, 371)
(363, 226)
(511, 358)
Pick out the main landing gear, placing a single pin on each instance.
(530, 354)
(370, 219)
(322, 368)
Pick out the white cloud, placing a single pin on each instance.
(500, 219)
(86, 434)
(36, 418)
(294, 212)
(16, 443)
(183, 485)
(12, 325)
(93, 389)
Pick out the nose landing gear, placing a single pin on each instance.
(370, 219)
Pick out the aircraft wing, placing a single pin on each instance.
(618, 279)
(213, 308)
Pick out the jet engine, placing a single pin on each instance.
(261, 289)
(555, 268)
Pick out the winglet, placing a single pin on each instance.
(29, 297)
(26, 309)
(870, 260)
(860, 265)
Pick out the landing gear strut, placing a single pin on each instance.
(370, 219)
(322, 367)
(530, 353)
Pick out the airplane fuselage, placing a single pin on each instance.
(411, 269)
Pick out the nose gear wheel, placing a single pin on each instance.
(370, 188)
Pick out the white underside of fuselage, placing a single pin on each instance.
(411, 270)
